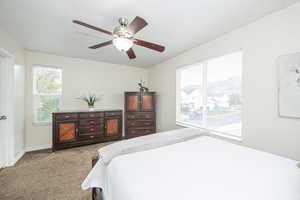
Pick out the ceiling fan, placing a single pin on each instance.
(123, 36)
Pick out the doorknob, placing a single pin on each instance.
(3, 117)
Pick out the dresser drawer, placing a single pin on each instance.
(140, 116)
(66, 116)
(112, 114)
(91, 122)
(91, 135)
(91, 129)
(140, 131)
(138, 123)
(91, 115)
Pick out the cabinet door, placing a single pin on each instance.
(147, 102)
(132, 102)
(66, 131)
(113, 127)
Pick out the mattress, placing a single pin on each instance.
(201, 168)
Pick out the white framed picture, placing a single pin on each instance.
(289, 85)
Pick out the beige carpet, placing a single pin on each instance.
(44, 175)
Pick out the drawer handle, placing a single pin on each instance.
(67, 116)
(92, 129)
(92, 122)
(91, 136)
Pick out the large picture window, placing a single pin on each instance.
(47, 89)
(209, 94)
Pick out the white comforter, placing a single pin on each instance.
(147, 142)
(203, 168)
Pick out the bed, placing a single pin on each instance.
(191, 166)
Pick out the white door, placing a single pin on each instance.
(7, 136)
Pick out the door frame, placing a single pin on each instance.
(7, 140)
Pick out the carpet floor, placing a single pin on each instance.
(46, 175)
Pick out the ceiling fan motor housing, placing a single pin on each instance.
(122, 31)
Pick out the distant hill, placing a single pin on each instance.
(190, 89)
(217, 88)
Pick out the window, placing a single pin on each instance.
(209, 95)
(47, 89)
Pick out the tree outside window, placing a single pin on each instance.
(47, 89)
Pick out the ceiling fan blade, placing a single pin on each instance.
(94, 36)
(149, 45)
(136, 25)
(131, 53)
(91, 27)
(101, 45)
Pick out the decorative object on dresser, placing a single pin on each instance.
(91, 99)
(140, 117)
(71, 129)
(142, 86)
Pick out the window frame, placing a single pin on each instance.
(204, 96)
(36, 94)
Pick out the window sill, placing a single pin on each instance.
(210, 132)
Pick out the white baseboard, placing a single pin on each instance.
(38, 147)
(18, 157)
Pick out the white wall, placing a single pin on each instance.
(12, 47)
(262, 42)
(79, 78)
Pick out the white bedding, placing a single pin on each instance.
(203, 168)
(147, 142)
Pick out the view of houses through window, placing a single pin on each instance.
(209, 94)
(47, 89)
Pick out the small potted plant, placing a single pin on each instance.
(142, 86)
(91, 99)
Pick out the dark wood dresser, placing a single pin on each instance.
(140, 118)
(71, 129)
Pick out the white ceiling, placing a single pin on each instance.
(46, 25)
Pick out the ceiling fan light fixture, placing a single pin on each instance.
(122, 44)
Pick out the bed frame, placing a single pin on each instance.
(96, 192)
